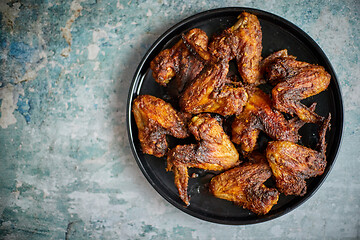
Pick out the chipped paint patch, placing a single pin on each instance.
(119, 5)
(9, 95)
(149, 13)
(93, 51)
(96, 66)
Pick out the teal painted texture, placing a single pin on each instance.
(66, 169)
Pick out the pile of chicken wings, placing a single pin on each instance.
(196, 72)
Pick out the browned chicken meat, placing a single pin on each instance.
(179, 62)
(211, 91)
(214, 151)
(242, 42)
(244, 185)
(295, 81)
(258, 115)
(196, 75)
(155, 119)
(197, 42)
(265, 64)
(292, 164)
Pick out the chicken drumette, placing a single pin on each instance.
(214, 151)
(291, 163)
(295, 81)
(155, 119)
(244, 185)
(242, 42)
(212, 91)
(180, 62)
(257, 116)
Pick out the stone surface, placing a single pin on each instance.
(66, 169)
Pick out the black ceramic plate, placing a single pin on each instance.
(278, 34)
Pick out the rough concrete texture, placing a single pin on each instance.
(66, 169)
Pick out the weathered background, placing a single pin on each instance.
(66, 169)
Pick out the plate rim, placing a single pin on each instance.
(136, 81)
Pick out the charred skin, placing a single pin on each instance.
(166, 63)
(214, 151)
(275, 73)
(197, 42)
(209, 92)
(179, 62)
(242, 42)
(155, 119)
(244, 186)
(292, 164)
(258, 115)
(287, 94)
(245, 131)
(295, 80)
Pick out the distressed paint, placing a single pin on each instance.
(67, 171)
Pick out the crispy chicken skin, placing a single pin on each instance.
(242, 42)
(267, 63)
(295, 81)
(195, 72)
(291, 163)
(197, 42)
(155, 119)
(257, 116)
(179, 62)
(244, 186)
(211, 91)
(214, 151)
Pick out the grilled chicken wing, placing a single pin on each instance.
(257, 116)
(196, 74)
(179, 62)
(197, 42)
(291, 163)
(244, 186)
(267, 63)
(155, 119)
(295, 81)
(242, 42)
(214, 151)
(211, 91)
